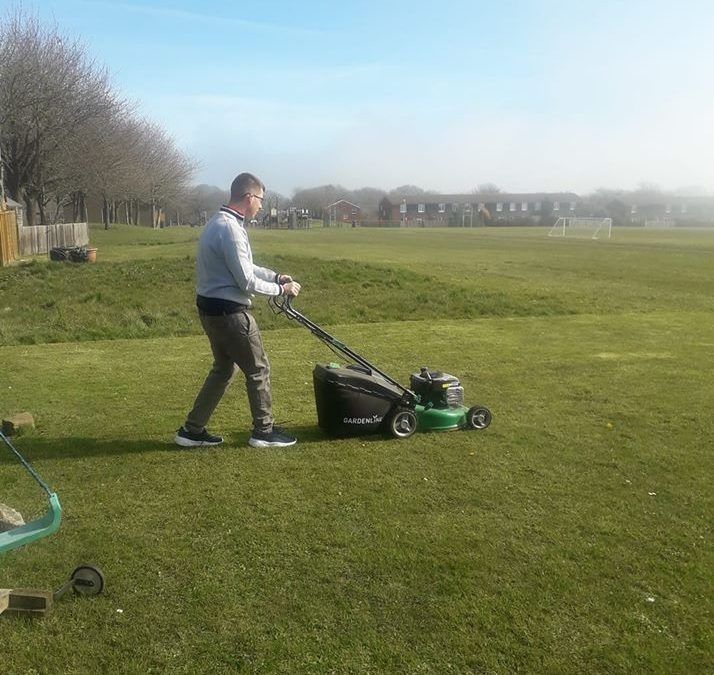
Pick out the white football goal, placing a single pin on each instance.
(592, 228)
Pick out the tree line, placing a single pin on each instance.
(316, 199)
(65, 134)
(604, 202)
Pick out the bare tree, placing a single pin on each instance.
(407, 191)
(64, 134)
(163, 170)
(109, 170)
(202, 201)
(50, 93)
(649, 186)
(317, 198)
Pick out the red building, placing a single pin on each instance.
(477, 209)
(343, 212)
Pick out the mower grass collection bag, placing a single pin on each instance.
(352, 401)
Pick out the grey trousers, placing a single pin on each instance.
(236, 343)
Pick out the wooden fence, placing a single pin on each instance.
(8, 238)
(40, 238)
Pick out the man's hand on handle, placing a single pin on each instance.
(291, 288)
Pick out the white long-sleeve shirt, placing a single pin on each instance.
(224, 262)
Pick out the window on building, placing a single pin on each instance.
(420, 208)
(481, 206)
(499, 206)
(442, 208)
(556, 206)
(572, 206)
(634, 208)
(524, 206)
(668, 208)
(403, 207)
(537, 206)
(512, 206)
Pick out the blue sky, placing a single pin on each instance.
(532, 95)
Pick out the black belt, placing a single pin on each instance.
(218, 306)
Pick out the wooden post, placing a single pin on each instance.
(4, 599)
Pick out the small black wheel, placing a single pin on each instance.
(402, 423)
(478, 417)
(87, 580)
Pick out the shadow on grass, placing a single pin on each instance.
(35, 448)
(306, 435)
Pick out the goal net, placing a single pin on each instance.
(590, 228)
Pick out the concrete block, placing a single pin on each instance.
(9, 518)
(15, 424)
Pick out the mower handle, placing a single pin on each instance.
(282, 302)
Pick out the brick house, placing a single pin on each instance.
(342, 212)
(479, 209)
(666, 210)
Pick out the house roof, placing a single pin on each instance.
(342, 201)
(663, 200)
(490, 198)
(13, 204)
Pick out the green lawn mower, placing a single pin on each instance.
(360, 399)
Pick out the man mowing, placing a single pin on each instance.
(226, 280)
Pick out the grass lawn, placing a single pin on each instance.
(573, 535)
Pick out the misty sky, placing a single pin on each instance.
(532, 95)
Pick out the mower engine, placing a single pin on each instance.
(436, 389)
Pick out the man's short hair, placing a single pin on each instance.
(243, 183)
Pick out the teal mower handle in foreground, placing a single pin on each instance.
(85, 580)
(36, 529)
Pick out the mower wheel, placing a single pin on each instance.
(402, 423)
(87, 580)
(478, 417)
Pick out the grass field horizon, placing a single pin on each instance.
(573, 535)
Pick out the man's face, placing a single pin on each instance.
(255, 203)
